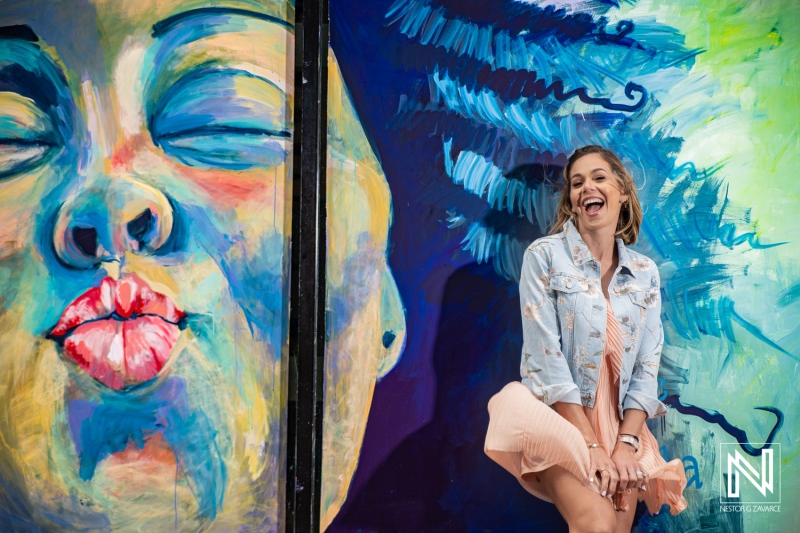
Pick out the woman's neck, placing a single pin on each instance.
(601, 243)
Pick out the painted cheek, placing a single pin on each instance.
(226, 187)
(20, 203)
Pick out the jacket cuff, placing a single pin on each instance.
(652, 406)
(561, 392)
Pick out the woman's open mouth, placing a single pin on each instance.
(593, 206)
(121, 333)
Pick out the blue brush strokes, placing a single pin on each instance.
(27, 71)
(478, 123)
(217, 127)
(109, 425)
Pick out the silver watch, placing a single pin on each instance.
(629, 439)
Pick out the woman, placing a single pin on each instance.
(592, 344)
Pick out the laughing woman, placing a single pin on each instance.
(573, 431)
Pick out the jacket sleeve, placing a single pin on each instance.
(642, 392)
(544, 368)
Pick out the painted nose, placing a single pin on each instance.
(100, 223)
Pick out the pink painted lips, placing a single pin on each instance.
(121, 333)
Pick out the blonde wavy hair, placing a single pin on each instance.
(630, 215)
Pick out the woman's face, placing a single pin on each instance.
(595, 193)
(145, 155)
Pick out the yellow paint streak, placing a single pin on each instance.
(25, 113)
(359, 215)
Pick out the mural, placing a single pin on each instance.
(366, 326)
(145, 167)
(471, 109)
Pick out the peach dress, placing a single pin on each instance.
(526, 436)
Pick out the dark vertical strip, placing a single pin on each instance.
(307, 319)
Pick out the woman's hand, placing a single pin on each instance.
(624, 458)
(605, 469)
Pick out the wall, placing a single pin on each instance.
(145, 196)
(700, 99)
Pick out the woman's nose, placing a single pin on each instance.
(102, 222)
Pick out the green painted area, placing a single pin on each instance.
(739, 106)
(751, 55)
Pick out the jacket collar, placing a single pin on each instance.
(581, 253)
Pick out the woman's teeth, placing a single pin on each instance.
(593, 206)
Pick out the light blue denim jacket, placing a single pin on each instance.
(564, 323)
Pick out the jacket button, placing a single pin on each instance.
(568, 284)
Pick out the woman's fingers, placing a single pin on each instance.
(613, 481)
(641, 477)
(605, 479)
(624, 478)
(633, 477)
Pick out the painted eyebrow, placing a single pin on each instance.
(160, 28)
(32, 74)
(19, 32)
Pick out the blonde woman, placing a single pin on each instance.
(573, 430)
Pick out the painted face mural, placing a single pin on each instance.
(145, 165)
(145, 185)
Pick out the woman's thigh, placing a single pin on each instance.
(582, 508)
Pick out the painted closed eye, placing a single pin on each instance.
(227, 119)
(26, 135)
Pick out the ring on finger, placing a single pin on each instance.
(639, 473)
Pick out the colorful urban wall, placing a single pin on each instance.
(145, 202)
(469, 110)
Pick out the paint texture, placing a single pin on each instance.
(145, 201)
(472, 109)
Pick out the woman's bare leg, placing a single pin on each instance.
(584, 510)
(625, 520)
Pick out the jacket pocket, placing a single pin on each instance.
(639, 298)
(569, 290)
(567, 283)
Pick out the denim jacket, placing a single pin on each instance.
(564, 323)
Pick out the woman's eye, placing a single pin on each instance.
(232, 150)
(27, 135)
(18, 156)
(223, 119)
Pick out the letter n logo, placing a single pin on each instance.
(741, 471)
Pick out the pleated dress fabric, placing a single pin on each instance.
(526, 436)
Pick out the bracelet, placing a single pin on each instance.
(629, 439)
(594, 445)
